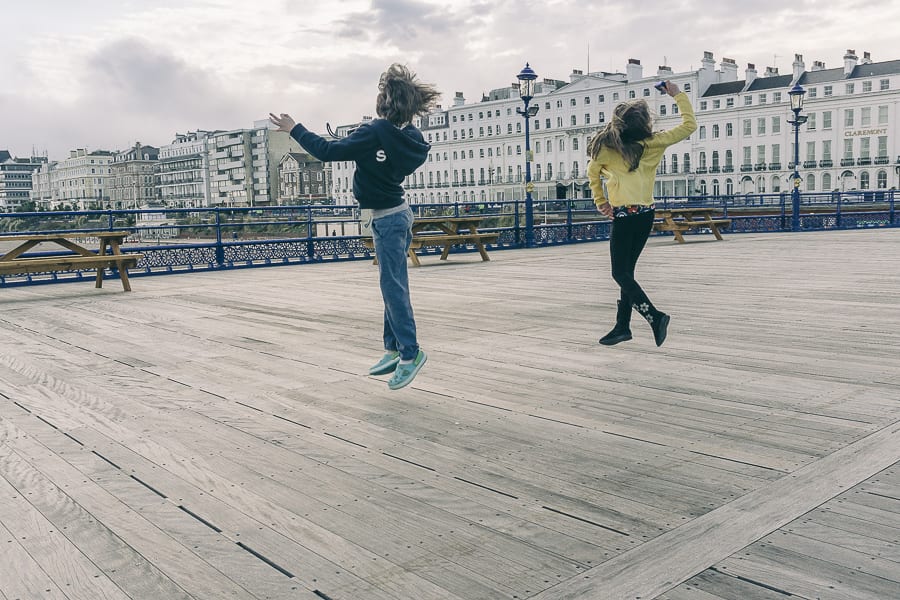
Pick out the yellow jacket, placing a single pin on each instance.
(636, 187)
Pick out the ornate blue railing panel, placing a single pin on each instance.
(178, 240)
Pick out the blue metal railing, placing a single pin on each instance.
(191, 239)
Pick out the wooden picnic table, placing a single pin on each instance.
(679, 220)
(447, 232)
(14, 263)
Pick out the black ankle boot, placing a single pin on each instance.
(659, 321)
(622, 331)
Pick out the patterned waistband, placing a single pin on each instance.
(631, 209)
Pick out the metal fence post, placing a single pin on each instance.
(891, 205)
(220, 249)
(516, 223)
(310, 244)
(783, 215)
(837, 209)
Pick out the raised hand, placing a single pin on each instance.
(283, 122)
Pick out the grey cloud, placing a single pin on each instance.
(147, 78)
(400, 22)
(130, 91)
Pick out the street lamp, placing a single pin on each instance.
(797, 93)
(526, 79)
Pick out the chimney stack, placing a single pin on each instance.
(634, 70)
(771, 72)
(729, 70)
(458, 99)
(849, 62)
(799, 66)
(867, 58)
(818, 66)
(750, 73)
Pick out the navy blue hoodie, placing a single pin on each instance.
(384, 154)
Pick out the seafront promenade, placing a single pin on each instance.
(213, 435)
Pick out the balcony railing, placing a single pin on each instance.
(847, 162)
(701, 170)
(862, 162)
(761, 166)
(826, 163)
(882, 160)
(809, 164)
(745, 168)
(728, 169)
(775, 166)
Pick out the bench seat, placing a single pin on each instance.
(446, 240)
(441, 239)
(685, 224)
(51, 264)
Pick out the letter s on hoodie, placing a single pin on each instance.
(380, 156)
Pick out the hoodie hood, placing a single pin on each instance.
(405, 146)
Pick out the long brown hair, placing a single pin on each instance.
(401, 97)
(630, 124)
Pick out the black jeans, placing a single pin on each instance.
(626, 242)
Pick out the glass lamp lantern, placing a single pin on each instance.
(797, 93)
(526, 79)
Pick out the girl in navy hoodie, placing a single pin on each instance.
(385, 150)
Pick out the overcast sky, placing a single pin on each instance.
(102, 74)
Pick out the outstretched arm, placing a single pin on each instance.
(688, 122)
(351, 147)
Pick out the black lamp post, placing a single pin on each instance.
(797, 93)
(526, 79)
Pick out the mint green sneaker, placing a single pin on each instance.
(405, 373)
(386, 365)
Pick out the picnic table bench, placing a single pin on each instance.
(14, 263)
(679, 220)
(446, 232)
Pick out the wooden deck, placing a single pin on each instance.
(213, 435)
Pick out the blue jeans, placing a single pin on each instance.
(392, 235)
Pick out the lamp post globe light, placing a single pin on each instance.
(796, 94)
(526, 79)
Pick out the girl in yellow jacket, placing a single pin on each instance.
(626, 153)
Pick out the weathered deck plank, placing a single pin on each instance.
(526, 461)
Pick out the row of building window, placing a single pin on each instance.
(812, 183)
(763, 98)
(462, 134)
(559, 104)
(850, 88)
(865, 119)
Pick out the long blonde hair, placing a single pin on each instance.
(401, 97)
(630, 124)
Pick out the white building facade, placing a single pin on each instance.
(183, 172)
(743, 144)
(850, 141)
(79, 182)
(16, 180)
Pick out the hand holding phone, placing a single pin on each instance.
(661, 86)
